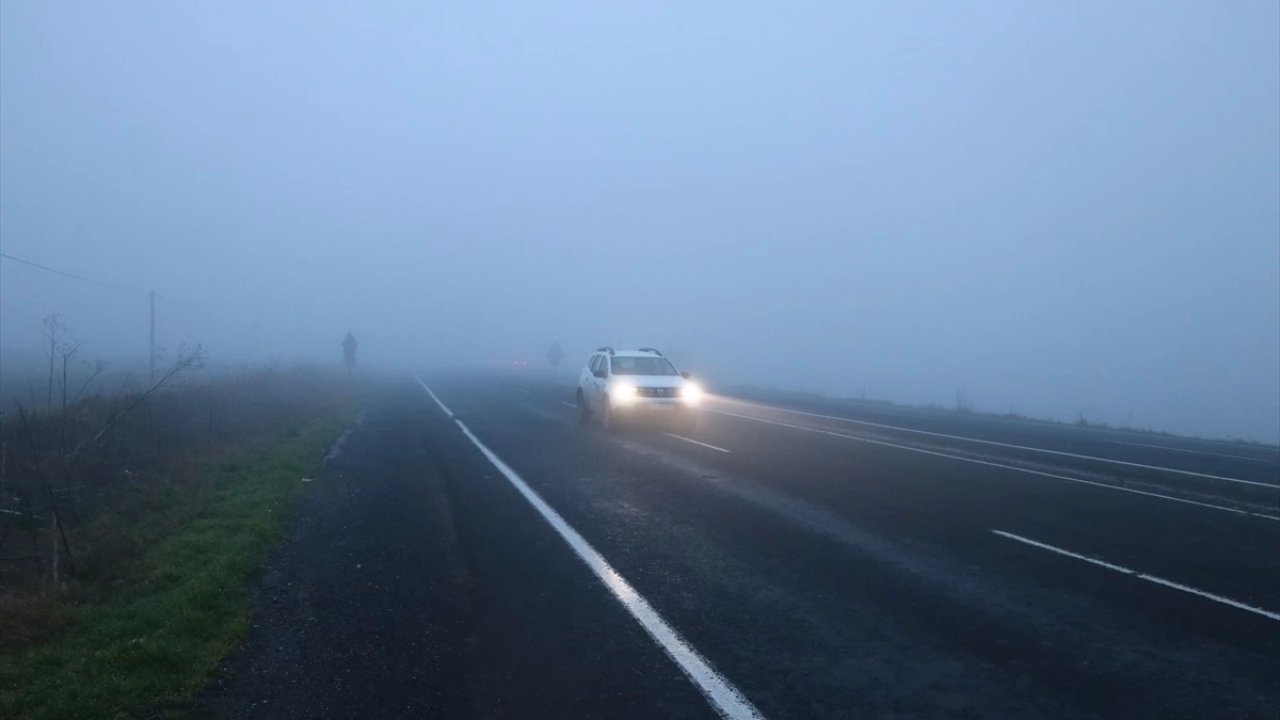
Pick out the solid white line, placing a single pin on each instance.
(726, 699)
(1142, 576)
(696, 442)
(1019, 447)
(995, 464)
(1194, 452)
(446, 410)
(569, 404)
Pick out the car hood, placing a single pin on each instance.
(657, 381)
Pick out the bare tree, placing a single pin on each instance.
(192, 358)
(63, 464)
(96, 368)
(55, 330)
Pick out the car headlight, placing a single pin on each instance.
(623, 393)
(691, 393)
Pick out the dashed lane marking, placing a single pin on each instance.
(1141, 575)
(697, 442)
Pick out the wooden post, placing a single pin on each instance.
(152, 354)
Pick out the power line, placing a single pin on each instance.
(81, 278)
(152, 295)
(118, 288)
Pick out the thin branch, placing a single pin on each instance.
(99, 366)
(194, 359)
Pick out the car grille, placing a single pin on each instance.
(659, 392)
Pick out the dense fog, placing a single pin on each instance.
(1058, 209)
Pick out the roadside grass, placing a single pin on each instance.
(145, 640)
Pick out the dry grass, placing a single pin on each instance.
(176, 509)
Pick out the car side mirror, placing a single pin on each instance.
(685, 374)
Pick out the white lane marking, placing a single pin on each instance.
(568, 404)
(696, 442)
(1019, 447)
(523, 390)
(995, 464)
(1185, 450)
(446, 410)
(727, 700)
(1141, 575)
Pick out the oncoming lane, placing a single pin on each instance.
(1201, 542)
(1089, 446)
(946, 494)
(1001, 465)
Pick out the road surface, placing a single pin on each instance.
(474, 552)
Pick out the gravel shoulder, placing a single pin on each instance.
(364, 611)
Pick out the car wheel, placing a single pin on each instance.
(606, 414)
(584, 412)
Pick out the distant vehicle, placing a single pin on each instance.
(636, 385)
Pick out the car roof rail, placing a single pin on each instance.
(605, 348)
(655, 351)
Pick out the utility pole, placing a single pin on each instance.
(152, 354)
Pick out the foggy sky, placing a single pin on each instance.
(1053, 208)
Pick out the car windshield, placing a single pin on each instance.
(642, 366)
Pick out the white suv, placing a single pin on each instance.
(636, 384)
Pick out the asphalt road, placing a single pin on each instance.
(474, 552)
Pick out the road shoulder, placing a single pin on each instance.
(363, 611)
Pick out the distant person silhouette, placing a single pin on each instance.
(349, 345)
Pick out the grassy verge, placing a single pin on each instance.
(151, 637)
